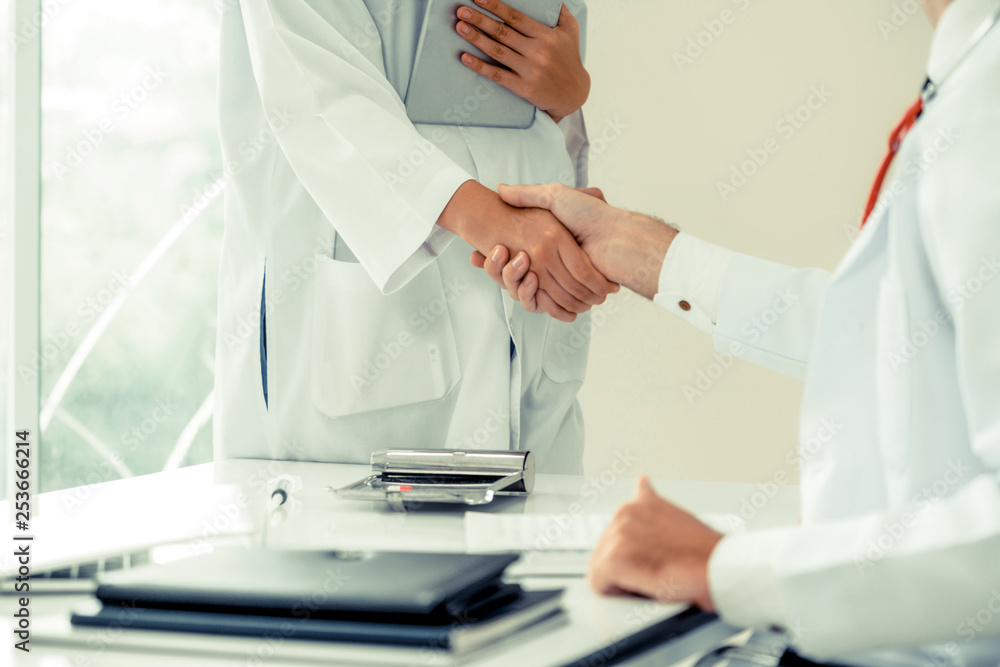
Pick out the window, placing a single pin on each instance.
(131, 230)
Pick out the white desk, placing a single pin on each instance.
(597, 630)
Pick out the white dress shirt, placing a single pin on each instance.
(897, 558)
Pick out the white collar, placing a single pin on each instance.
(960, 28)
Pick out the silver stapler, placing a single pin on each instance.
(408, 478)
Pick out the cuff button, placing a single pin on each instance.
(684, 305)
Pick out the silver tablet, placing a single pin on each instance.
(443, 91)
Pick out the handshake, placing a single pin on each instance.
(558, 250)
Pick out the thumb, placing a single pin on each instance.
(596, 193)
(526, 196)
(645, 487)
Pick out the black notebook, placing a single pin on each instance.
(450, 601)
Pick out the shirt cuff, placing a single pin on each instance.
(742, 579)
(691, 280)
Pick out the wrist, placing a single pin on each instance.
(704, 598)
(467, 208)
(644, 244)
(575, 103)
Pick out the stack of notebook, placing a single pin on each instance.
(453, 602)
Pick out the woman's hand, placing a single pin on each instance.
(540, 64)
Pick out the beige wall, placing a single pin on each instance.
(680, 133)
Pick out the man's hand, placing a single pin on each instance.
(626, 247)
(540, 64)
(566, 279)
(655, 549)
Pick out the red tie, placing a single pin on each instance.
(909, 120)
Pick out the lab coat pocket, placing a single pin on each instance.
(566, 348)
(896, 349)
(374, 351)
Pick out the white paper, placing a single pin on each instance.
(485, 532)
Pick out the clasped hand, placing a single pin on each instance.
(529, 280)
(567, 281)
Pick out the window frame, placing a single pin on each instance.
(23, 394)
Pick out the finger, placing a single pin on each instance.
(600, 581)
(500, 32)
(497, 75)
(594, 192)
(494, 49)
(529, 196)
(568, 282)
(644, 487)
(512, 17)
(514, 273)
(527, 293)
(594, 287)
(557, 282)
(603, 573)
(494, 267)
(548, 305)
(478, 259)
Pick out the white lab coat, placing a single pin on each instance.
(900, 426)
(379, 331)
